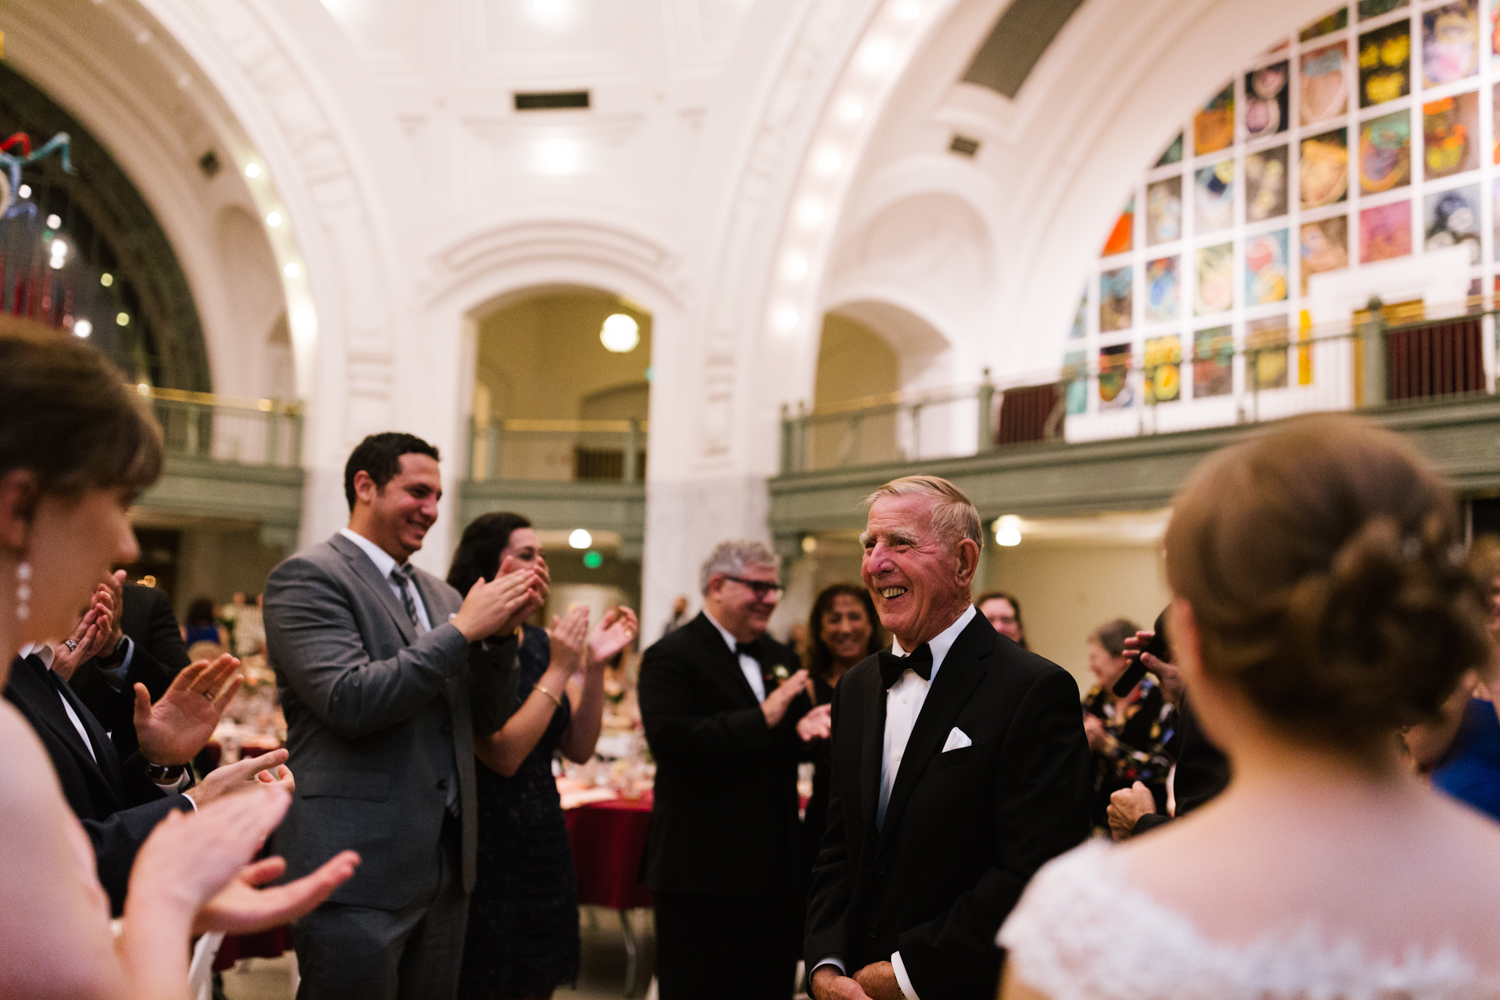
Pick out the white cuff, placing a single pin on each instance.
(902, 979)
(832, 960)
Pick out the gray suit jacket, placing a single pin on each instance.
(379, 721)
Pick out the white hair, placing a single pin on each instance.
(953, 515)
(733, 557)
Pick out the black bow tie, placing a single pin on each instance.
(746, 649)
(893, 666)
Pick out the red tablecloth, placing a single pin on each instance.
(608, 839)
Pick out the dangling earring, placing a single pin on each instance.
(23, 590)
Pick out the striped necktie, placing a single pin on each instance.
(403, 577)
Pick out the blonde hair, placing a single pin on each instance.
(953, 516)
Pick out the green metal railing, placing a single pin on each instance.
(200, 425)
(557, 450)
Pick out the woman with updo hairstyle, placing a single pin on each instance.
(842, 630)
(1321, 603)
(76, 449)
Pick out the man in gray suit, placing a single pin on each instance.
(376, 676)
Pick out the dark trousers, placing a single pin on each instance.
(728, 947)
(415, 953)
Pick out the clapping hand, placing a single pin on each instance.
(617, 629)
(243, 775)
(497, 607)
(1126, 805)
(113, 587)
(183, 719)
(778, 701)
(569, 638)
(242, 907)
(85, 642)
(816, 724)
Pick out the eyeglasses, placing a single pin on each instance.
(761, 588)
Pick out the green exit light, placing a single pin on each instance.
(593, 559)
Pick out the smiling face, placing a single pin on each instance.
(398, 515)
(1001, 614)
(846, 630)
(522, 550)
(919, 580)
(737, 606)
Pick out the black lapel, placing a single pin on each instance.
(109, 759)
(727, 659)
(365, 569)
(44, 704)
(872, 753)
(962, 670)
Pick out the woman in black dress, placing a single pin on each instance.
(842, 630)
(522, 940)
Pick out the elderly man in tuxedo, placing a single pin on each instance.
(960, 766)
(720, 701)
(373, 667)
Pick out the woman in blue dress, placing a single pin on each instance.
(522, 940)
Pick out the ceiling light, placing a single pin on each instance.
(829, 161)
(580, 538)
(291, 270)
(122, 319)
(1008, 530)
(54, 222)
(620, 334)
(252, 170)
(786, 318)
(557, 156)
(106, 279)
(273, 220)
(24, 190)
(811, 212)
(908, 10)
(795, 266)
(82, 328)
(809, 544)
(877, 54)
(550, 11)
(852, 110)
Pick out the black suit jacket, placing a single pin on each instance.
(724, 816)
(1202, 771)
(964, 830)
(117, 804)
(159, 654)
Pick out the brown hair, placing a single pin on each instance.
(1324, 566)
(1112, 635)
(819, 656)
(1015, 605)
(67, 416)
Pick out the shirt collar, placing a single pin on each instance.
(41, 650)
(943, 641)
(734, 644)
(380, 557)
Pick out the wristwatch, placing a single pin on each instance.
(165, 774)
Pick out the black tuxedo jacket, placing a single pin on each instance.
(964, 830)
(117, 804)
(724, 817)
(146, 617)
(1202, 771)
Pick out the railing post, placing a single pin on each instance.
(193, 412)
(630, 438)
(1372, 335)
(786, 439)
(800, 457)
(492, 449)
(296, 439)
(916, 432)
(987, 440)
(273, 434)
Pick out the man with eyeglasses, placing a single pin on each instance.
(720, 702)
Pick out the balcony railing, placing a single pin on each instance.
(200, 425)
(558, 450)
(1275, 373)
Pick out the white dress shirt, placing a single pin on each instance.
(903, 704)
(46, 653)
(385, 563)
(747, 662)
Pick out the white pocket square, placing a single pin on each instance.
(957, 740)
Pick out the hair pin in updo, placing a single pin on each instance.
(1411, 548)
(1456, 554)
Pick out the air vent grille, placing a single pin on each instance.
(964, 146)
(552, 101)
